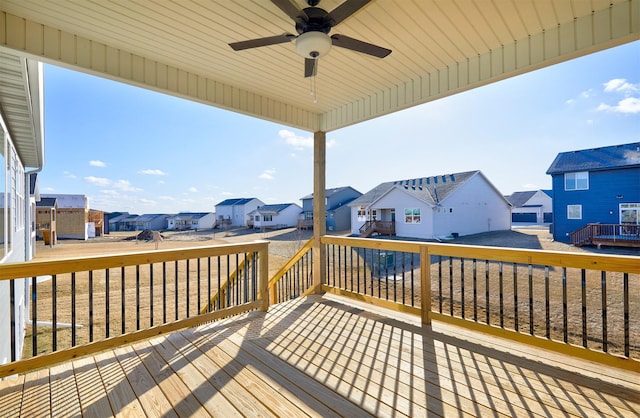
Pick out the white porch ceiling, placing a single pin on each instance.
(440, 47)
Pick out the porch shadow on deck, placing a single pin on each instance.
(319, 356)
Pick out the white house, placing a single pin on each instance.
(22, 156)
(535, 206)
(191, 220)
(434, 207)
(283, 215)
(235, 212)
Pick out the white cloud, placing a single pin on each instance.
(170, 198)
(192, 190)
(153, 172)
(267, 174)
(296, 141)
(226, 194)
(109, 192)
(300, 142)
(125, 185)
(69, 175)
(620, 85)
(97, 163)
(629, 105)
(100, 181)
(48, 189)
(147, 202)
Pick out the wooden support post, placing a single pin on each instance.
(319, 209)
(425, 285)
(263, 276)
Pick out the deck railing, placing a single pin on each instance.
(584, 305)
(84, 305)
(607, 234)
(295, 277)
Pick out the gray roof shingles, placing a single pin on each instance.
(429, 189)
(603, 158)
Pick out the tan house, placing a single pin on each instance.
(72, 220)
(46, 212)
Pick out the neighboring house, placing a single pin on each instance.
(338, 212)
(21, 156)
(283, 215)
(113, 219)
(598, 185)
(72, 216)
(235, 212)
(154, 222)
(434, 207)
(46, 210)
(533, 206)
(122, 222)
(191, 220)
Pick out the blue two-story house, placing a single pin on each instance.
(338, 212)
(595, 186)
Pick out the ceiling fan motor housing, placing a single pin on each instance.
(313, 44)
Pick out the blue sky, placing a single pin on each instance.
(134, 150)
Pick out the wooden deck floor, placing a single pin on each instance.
(320, 357)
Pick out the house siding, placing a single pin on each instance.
(600, 203)
(287, 217)
(473, 209)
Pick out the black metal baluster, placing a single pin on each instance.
(515, 297)
(603, 280)
(475, 290)
(90, 305)
(565, 319)
(73, 309)
(199, 293)
(547, 305)
(34, 316)
(451, 286)
(625, 290)
(175, 284)
(164, 292)
(462, 286)
(440, 296)
(531, 327)
(187, 292)
(350, 266)
(209, 309)
(151, 294)
(137, 297)
(338, 268)
(12, 307)
(583, 283)
(54, 313)
(358, 271)
(106, 302)
(413, 284)
(501, 290)
(219, 282)
(487, 291)
(403, 285)
(395, 276)
(123, 301)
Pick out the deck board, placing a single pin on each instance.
(319, 356)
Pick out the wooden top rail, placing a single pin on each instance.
(604, 262)
(70, 265)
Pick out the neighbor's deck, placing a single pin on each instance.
(319, 357)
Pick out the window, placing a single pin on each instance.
(574, 212)
(412, 215)
(267, 218)
(576, 181)
(362, 214)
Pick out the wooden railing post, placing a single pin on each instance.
(263, 275)
(425, 285)
(319, 209)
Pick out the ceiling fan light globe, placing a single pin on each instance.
(313, 44)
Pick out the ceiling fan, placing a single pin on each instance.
(313, 25)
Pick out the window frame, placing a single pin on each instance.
(574, 207)
(576, 177)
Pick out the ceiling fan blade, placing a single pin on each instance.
(359, 46)
(310, 67)
(255, 43)
(291, 10)
(345, 10)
